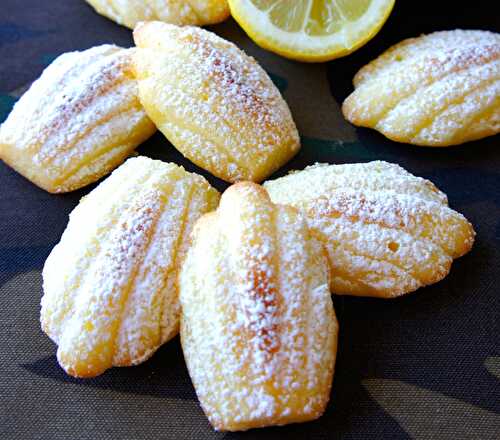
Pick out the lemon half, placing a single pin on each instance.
(311, 30)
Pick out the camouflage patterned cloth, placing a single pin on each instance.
(426, 366)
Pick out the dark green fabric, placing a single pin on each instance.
(423, 366)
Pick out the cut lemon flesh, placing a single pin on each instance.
(311, 30)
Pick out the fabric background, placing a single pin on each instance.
(423, 366)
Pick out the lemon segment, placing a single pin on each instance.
(311, 30)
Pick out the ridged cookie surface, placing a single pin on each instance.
(77, 122)
(386, 231)
(215, 104)
(258, 328)
(110, 285)
(180, 12)
(435, 90)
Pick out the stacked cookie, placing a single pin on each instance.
(247, 280)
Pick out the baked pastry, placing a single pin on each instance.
(258, 329)
(182, 12)
(386, 231)
(436, 90)
(76, 123)
(215, 104)
(110, 285)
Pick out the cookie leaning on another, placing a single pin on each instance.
(386, 231)
(76, 123)
(181, 12)
(435, 90)
(216, 105)
(110, 285)
(258, 329)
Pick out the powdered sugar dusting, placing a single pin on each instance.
(104, 303)
(439, 89)
(323, 179)
(387, 232)
(258, 329)
(251, 246)
(184, 12)
(213, 94)
(89, 333)
(57, 125)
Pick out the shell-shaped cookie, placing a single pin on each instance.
(435, 90)
(110, 285)
(386, 231)
(77, 122)
(215, 104)
(258, 328)
(180, 12)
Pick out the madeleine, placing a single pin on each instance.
(215, 104)
(386, 231)
(436, 90)
(80, 120)
(181, 12)
(110, 285)
(258, 329)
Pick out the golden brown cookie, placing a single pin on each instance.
(258, 329)
(386, 231)
(180, 12)
(435, 90)
(215, 104)
(110, 285)
(76, 123)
